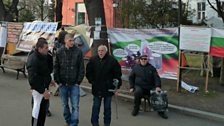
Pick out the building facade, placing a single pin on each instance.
(74, 12)
(202, 12)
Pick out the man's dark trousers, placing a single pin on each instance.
(42, 114)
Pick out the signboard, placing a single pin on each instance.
(3, 34)
(195, 39)
(34, 30)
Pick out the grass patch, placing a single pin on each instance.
(210, 94)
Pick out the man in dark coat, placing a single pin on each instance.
(39, 79)
(50, 68)
(142, 79)
(68, 73)
(104, 73)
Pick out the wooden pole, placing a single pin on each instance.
(179, 77)
(221, 79)
(207, 73)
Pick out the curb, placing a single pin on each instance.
(184, 110)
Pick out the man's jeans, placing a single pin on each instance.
(138, 94)
(96, 110)
(72, 92)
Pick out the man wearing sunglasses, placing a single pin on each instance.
(142, 79)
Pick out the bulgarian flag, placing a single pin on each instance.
(217, 43)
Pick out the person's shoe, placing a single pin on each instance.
(163, 115)
(48, 113)
(95, 124)
(134, 112)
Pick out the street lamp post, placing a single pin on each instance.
(179, 12)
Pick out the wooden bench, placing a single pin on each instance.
(14, 63)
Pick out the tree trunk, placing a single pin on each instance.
(2, 11)
(58, 12)
(8, 15)
(42, 10)
(95, 9)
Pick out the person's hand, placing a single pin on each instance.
(131, 90)
(46, 94)
(115, 82)
(53, 83)
(31, 91)
(158, 89)
(116, 93)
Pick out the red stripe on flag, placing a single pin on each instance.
(217, 51)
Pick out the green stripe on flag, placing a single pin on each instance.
(218, 42)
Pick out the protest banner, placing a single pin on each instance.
(34, 30)
(161, 46)
(3, 34)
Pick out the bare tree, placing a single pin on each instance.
(58, 12)
(152, 13)
(9, 11)
(218, 7)
(40, 8)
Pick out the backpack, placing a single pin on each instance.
(159, 101)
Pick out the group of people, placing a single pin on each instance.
(102, 71)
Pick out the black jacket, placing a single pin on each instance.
(69, 66)
(101, 72)
(144, 76)
(38, 71)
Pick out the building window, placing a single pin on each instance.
(201, 10)
(81, 18)
(80, 14)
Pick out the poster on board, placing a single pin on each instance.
(3, 34)
(34, 30)
(195, 39)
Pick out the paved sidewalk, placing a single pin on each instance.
(184, 110)
(15, 109)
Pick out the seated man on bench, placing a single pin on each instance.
(144, 78)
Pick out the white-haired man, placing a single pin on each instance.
(104, 73)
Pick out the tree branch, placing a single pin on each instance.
(218, 8)
(212, 5)
(13, 7)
